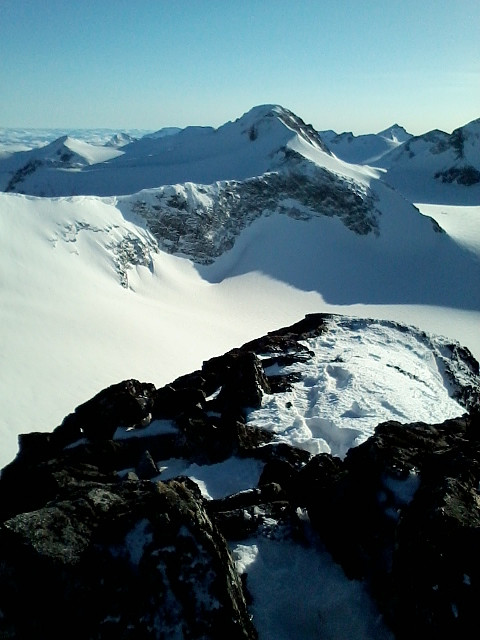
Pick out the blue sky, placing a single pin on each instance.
(356, 65)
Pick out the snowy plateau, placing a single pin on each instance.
(146, 256)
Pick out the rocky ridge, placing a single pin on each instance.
(203, 221)
(129, 555)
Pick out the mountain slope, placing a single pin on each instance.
(63, 154)
(149, 284)
(88, 298)
(252, 145)
(437, 167)
(365, 149)
(191, 503)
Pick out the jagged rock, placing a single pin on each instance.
(279, 472)
(209, 439)
(146, 468)
(204, 221)
(402, 511)
(126, 404)
(243, 381)
(126, 560)
(171, 402)
(130, 559)
(243, 514)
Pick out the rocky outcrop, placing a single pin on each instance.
(88, 527)
(203, 222)
(465, 175)
(131, 559)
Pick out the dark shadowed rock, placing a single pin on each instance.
(126, 404)
(126, 560)
(241, 381)
(146, 468)
(402, 511)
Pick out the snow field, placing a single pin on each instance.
(362, 373)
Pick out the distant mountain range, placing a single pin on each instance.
(429, 167)
(365, 149)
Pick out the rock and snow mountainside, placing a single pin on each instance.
(365, 149)
(260, 141)
(438, 167)
(192, 242)
(149, 284)
(179, 512)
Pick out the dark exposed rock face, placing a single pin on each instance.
(126, 559)
(402, 510)
(466, 175)
(204, 223)
(125, 555)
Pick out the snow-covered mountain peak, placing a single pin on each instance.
(396, 133)
(120, 140)
(437, 166)
(268, 116)
(70, 152)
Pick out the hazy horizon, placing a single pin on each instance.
(345, 66)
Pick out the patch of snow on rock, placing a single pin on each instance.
(361, 373)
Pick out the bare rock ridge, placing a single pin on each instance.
(90, 529)
(204, 222)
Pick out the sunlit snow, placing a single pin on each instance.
(362, 373)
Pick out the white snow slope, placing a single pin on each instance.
(365, 149)
(428, 168)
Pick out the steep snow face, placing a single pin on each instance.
(437, 167)
(361, 373)
(407, 259)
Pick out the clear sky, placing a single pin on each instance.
(357, 65)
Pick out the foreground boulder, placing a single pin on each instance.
(117, 559)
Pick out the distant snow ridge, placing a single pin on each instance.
(202, 222)
(367, 148)
(63, 153)
(450, 158)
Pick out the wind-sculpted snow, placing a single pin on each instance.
(202, 222)
(362, 372)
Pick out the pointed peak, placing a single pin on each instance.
(396, 133)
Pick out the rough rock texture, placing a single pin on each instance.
(203, 222)
(122, 554)
(402, 510)
(131, 559)
(466, 175)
